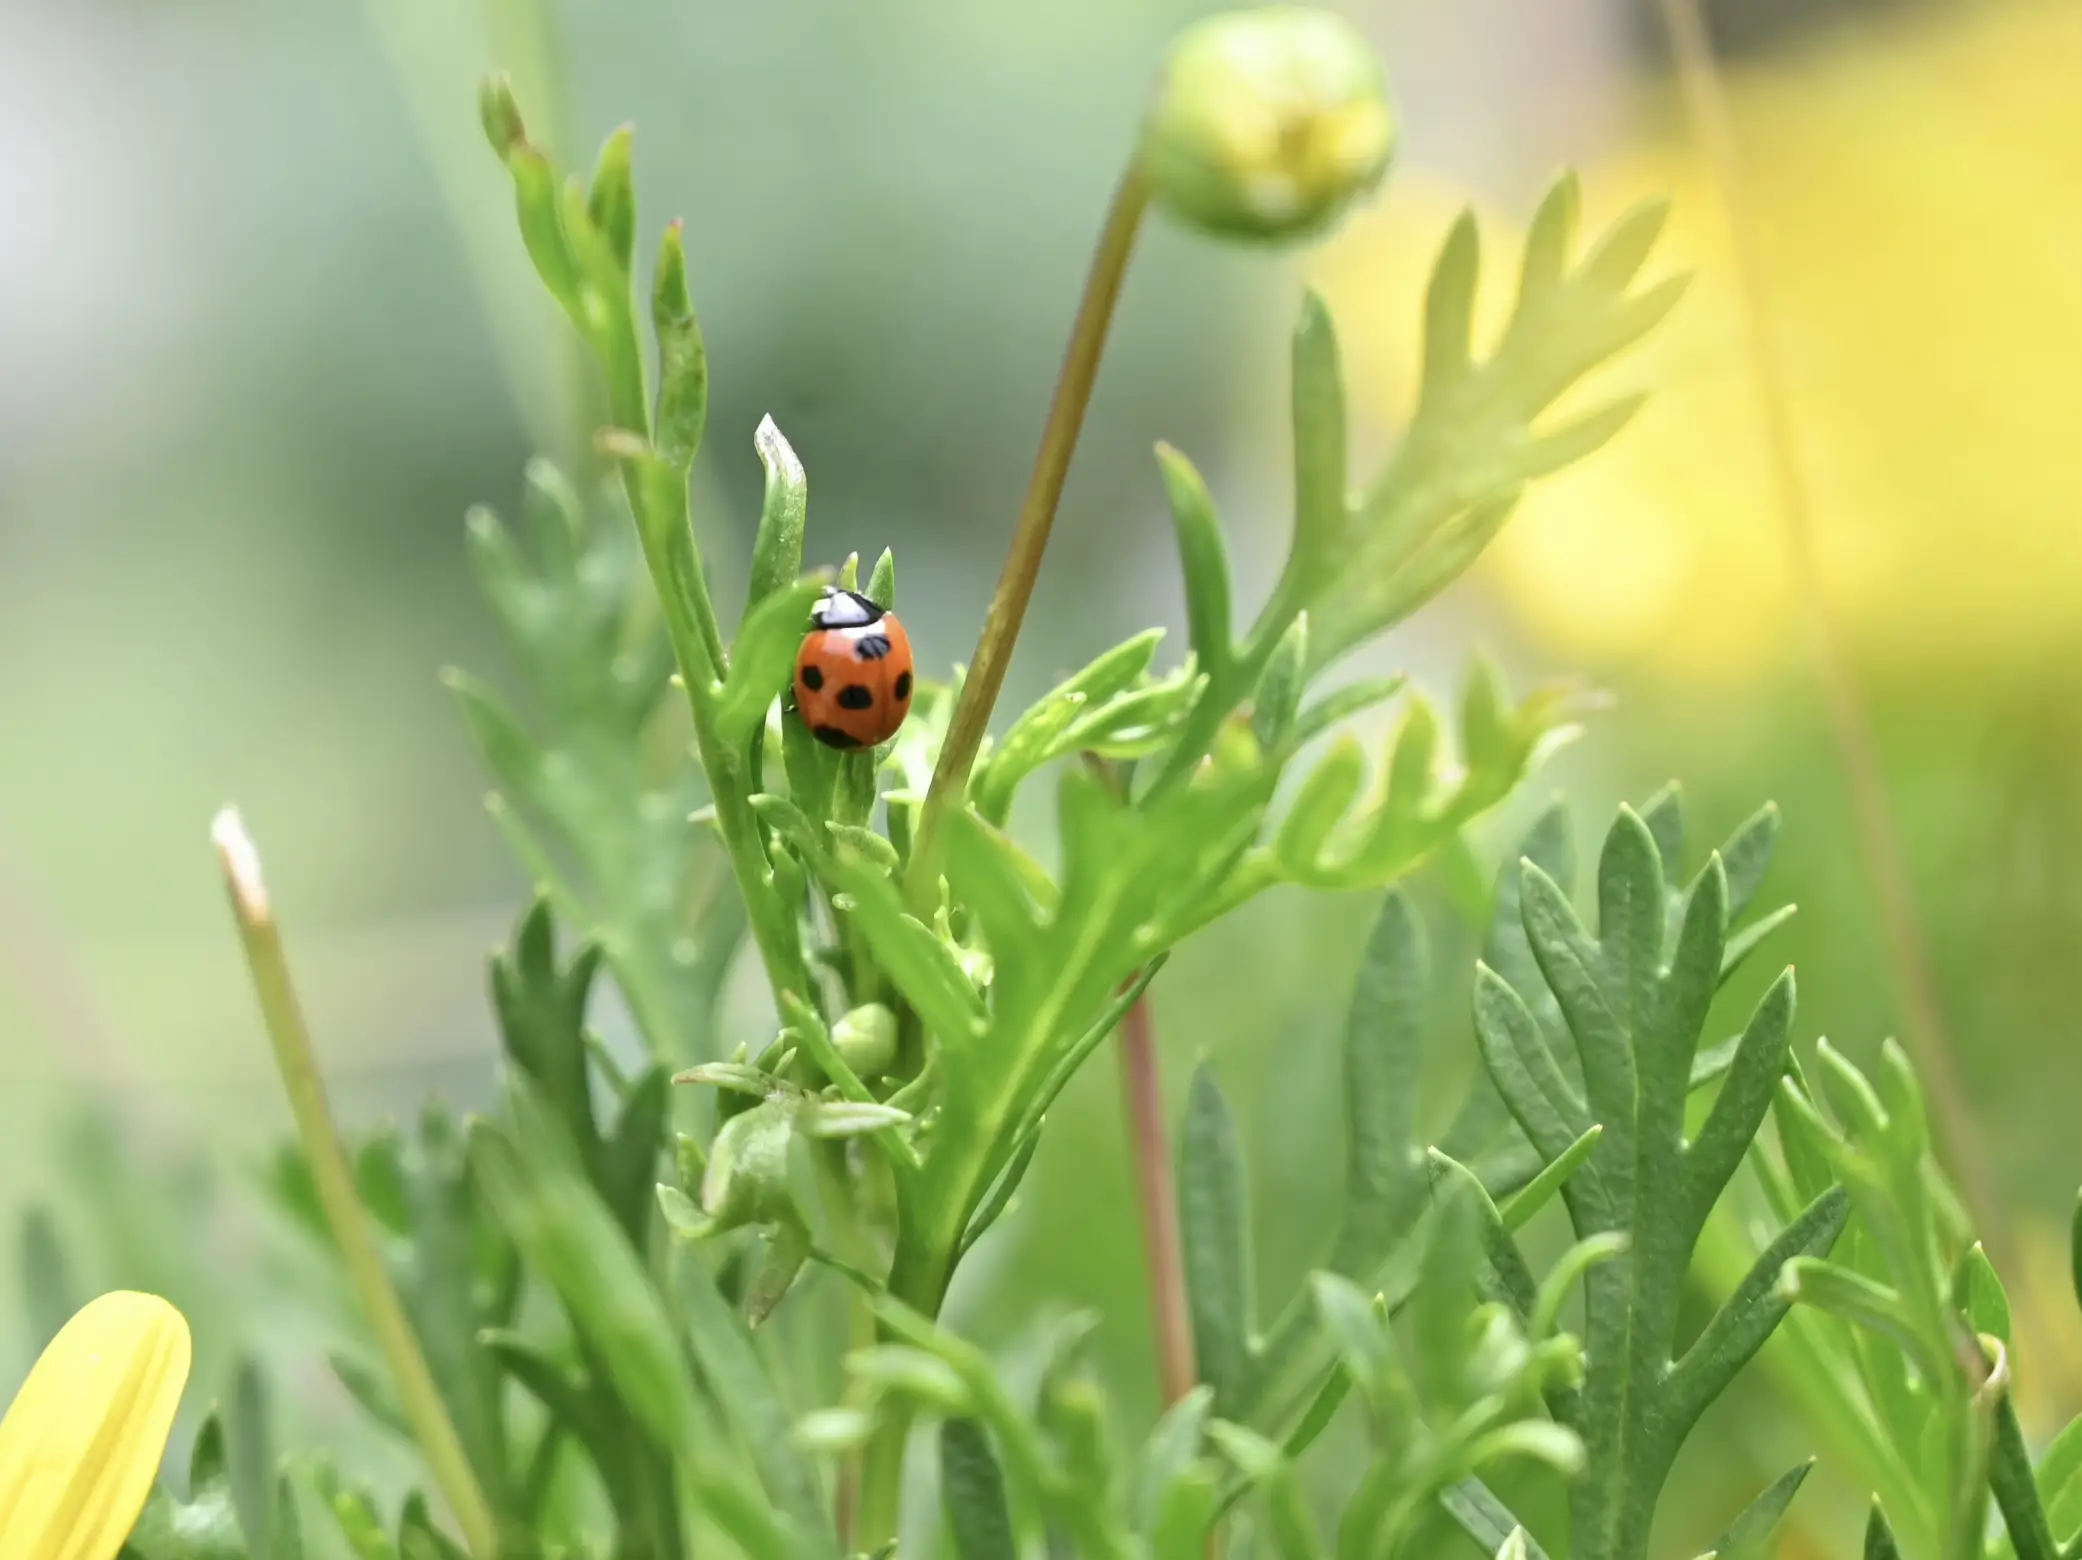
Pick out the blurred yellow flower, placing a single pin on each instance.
(80, 1447)
(1912, 189)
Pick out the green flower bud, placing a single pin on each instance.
(1267, 124)
(866, 1040)
(747, 1177)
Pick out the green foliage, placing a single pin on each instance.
(594, 794)
(605, 1303)
(1618, 1047)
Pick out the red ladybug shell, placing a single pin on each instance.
(853, 673)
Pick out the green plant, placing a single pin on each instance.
(590, 1305)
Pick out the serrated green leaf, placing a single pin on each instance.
(1471, 445)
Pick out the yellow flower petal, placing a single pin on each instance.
(81, 1446)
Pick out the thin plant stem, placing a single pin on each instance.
(1163, 1252)
(290, 1037)
(881, 1482)
(1879, 839)
(1001, 624)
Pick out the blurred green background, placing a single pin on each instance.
(265, 333)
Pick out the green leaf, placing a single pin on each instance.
(1526, 1074)
(1319, 445)
(1262, 1463)
(881, 585)
(1747, 856)
(741, 1390)
(1342, 703)
(1170, 1453)
(923, 968)
(1045, 732)
(762, 661)
(1977, 1293)
(777, 549)
(1204, 556)
(538, 203)
(1879, 1538)
(1479, 433)
(530, 1177)
(611, 202)
(1357, 1328)
(1748, 1316)
(1738, 1111)
(1215, 1229)
(1383, 1066)
(682, 356)
(206, 1525)
(2016, 1488)
(972, 1488)
(1540, 1190)
(1748, 1537)
(1277, 699)
(1486, 1519)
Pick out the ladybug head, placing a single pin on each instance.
(845, 609)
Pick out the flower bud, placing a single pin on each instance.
(747, 1177)
(866, 1040)
(1267, 124)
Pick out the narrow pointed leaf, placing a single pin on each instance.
(1204, 557)
(783, 513)
(972, 1488)
(1216, 1234)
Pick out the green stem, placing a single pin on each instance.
(1073, 394)
(290, 1037)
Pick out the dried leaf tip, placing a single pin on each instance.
(239, 858)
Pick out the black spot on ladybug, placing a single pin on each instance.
(903, 687)
(871, 648)
(812, 679)
(831, 736)
(854, 696)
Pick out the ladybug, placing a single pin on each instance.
(853, 672)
